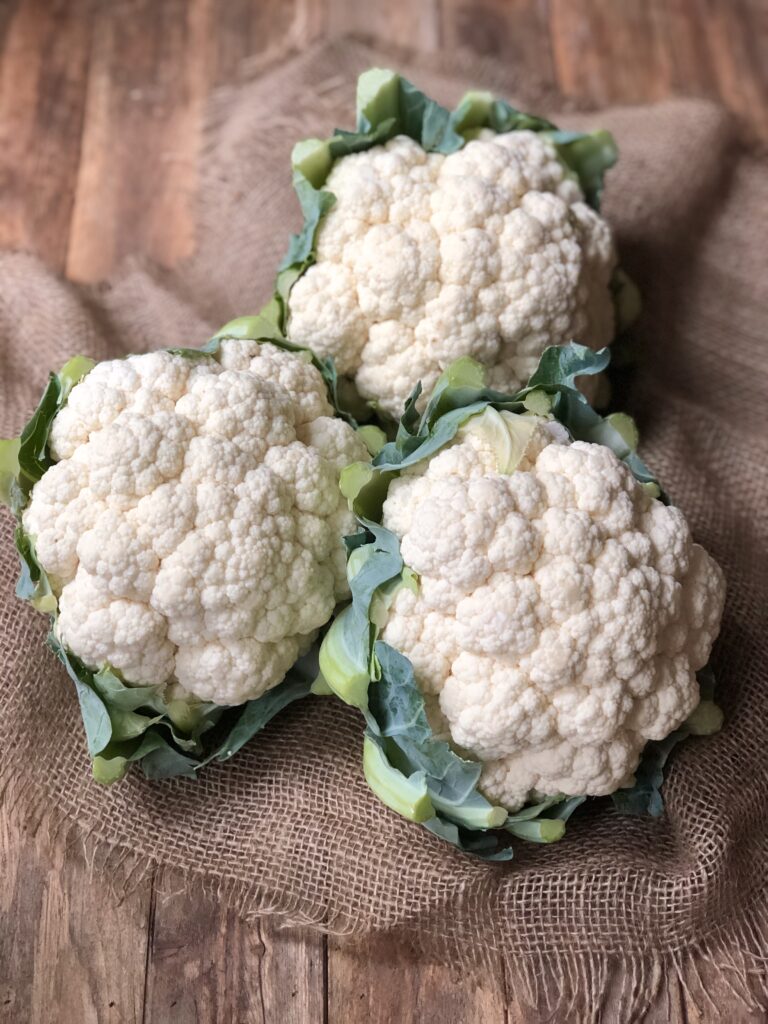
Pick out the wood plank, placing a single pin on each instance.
(61, 933)
(205, 964)
(378, 981)
(516, 31)
(736, 33)
(239, 29)
(44, 49)
(714, 996)
(138, 174)
(152, 68)
(645, 50)
(69, 950)
(412, 23)
(609, 53)
(682, 37)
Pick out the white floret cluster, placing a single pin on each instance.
(561, 613)
(489, 252)
(191, 525)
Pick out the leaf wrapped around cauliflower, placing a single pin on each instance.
(528, 614)
(432, 234)
(179, 517)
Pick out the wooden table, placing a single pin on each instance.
(101, 107)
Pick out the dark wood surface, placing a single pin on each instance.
(101, 107)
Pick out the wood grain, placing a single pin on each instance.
(152, 67)
(379, 982)
(412, 23)
(44, 54)
(101, 113)
(70, 953)
(204, 964)
(736, 37)
(515, 31)
(608, 52)
(148, 79)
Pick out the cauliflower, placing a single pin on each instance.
(485, 248)
(190, 523)
(489, 252)
(561, 614)
(528, 616)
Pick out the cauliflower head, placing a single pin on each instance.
(561, 612)
(491, 252)
(191, 523)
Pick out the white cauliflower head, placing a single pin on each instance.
(490, 252)
(191, 525)
(561, 613)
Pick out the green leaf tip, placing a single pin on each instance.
(407, 795)
(373, 438)
(9, 469)
(626, 428)
(73, 372)
(107, 770)
(627, 300)
(588, 156)
(464, 372)
(705, 720)
(320, 687)
(344, 667)
(354, 477)
(263, 326)
(473, 111)
(364, 488)
(378, 98)
(312, 159)
(540, 830)
(496, 817)
(538, 402)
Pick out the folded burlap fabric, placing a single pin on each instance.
(289, 826)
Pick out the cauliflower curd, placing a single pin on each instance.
(561, 612)
(490, 252)
(191, 525)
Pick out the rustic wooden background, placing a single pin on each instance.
(101, 105)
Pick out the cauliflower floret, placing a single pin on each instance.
(250, 411)
(93, 405)
(64, 508)
(489, 252)
(221, 670)
(128, 635)
(561, 612)
(192, 525)
(334, 440)
(117, 558)
(290, 370)
(134, 455)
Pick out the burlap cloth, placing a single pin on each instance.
(289, 826)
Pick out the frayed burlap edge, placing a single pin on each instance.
(730, 961)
